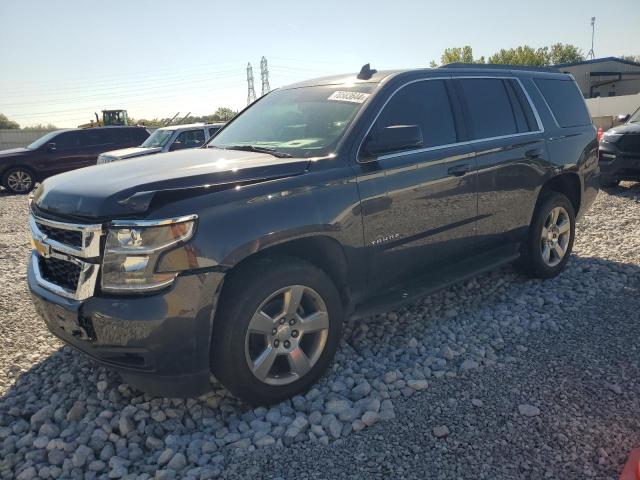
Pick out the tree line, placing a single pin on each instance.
(522, 55)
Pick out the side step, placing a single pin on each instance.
(425, 284)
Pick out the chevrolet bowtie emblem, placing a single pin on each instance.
(42, 248)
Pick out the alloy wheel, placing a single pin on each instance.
(19, 181)
(555, 237)
(287, 335)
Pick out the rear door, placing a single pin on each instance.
(419, 205)
(511, 155)
(93, 142)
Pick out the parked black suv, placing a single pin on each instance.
(332, 197)
(60, 151)
(620, 152)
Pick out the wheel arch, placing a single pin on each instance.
(567, 183)
(322, 251)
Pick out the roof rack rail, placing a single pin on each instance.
(494, 66)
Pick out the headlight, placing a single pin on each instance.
(132, 251)
(611, 137)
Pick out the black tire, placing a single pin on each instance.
(243, 295)
(24, 174)
(533, 262)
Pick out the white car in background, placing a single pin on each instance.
(166, 139)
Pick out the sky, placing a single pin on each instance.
(61, 61)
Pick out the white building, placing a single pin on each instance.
(604, 77)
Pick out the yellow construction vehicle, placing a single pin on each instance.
(109, 117)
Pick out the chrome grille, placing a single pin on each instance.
(67, 237)
(65, 256)
(60, 272)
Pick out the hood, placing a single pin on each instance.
(11, 152)
(127, 188)
(626, 128)
(123, 153)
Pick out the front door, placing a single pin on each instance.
(419, 204)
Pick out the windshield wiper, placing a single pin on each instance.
(254, 148)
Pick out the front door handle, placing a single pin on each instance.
(458, 170)
(533, 153)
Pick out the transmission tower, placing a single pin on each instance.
(593, 31)
(251, 94)
(264, 74)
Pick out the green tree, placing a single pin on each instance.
(224, 114)
(457, 55)
(40, 126)
(523, 55)
(564, 53)
(631, 58)
(8, 124)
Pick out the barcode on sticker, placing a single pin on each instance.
(355, 97)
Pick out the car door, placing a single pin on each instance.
(418, 204)
(63, 153)
(511, 154)
(93, 142)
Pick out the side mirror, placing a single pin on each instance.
(51, 147)
(176, 146)
(623, 117)
(393, 139)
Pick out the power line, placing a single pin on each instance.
(121, 92)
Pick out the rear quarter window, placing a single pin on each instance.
(565, 101)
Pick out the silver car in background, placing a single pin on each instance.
(166, 139)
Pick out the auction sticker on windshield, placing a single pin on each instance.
(343, 96)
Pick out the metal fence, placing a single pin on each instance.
(19, 138)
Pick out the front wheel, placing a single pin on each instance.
(276, 331)
(551, 236)
(18, 180)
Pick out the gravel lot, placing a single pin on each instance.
(500, 377)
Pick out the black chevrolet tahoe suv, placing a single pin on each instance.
(330, 198)
(60, 151)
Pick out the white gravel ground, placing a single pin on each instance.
(430, 380)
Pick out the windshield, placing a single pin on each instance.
(159, 138)
(300, 122)
(42, 140)
(635, 118)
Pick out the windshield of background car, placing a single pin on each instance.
(42, 140)
(159, 138)
(635, 118)
(302, 122)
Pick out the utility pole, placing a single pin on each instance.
(592, 55)
(264, 75)
(251, 94)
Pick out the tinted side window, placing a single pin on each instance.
(213, 131)
(425, 104)
(67, 140)
(191, 138)
(121, 136)
(94, 137)
(565, 101)
(489, 108)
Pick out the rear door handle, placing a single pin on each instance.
(458, 170)
(533, 153)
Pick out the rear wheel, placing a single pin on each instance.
(551, 236)
(276, 331)
(18, 180)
